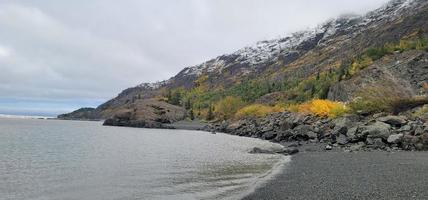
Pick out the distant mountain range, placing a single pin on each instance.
(336, 60)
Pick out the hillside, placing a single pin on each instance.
(338, 60)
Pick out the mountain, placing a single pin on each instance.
(337, 60)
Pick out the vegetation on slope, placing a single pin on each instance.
(306, 96)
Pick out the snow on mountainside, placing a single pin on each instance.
(254, 56)
(295, 57)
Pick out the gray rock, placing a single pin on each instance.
(394, 120)
(293, 145)
(378, 143)
(352, 134)
(341, 125)
(405, 128)
(269, 135)
(394, 139)
(328, 147)
(377, 130)
(301, 132)
(286, 125)
(356, 147)
(312, 135)
(283, 136)
(424, 139)
(342, 139)
(419, 130)
(288, 151)
(257, 150)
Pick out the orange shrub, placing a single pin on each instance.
(257, 110)
(321, 108)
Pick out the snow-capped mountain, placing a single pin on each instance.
(300, 55)
(267, 51)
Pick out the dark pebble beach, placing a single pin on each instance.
(350, 175)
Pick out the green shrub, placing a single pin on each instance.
(377, 53)
(376, 99)
(257, 110)
(421, 112)
(227, 107)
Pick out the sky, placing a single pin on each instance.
(57, 56)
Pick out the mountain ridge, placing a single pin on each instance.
(289, 60)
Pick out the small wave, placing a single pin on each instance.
(261, 180)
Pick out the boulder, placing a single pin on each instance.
(328, 147)
(409, 142)
(395, 138)
(352, 134)
(377, 130)
(288, 151)
(342, 139)
(312, 135)
(269, 135)
(419, 130)
(378, 143)
(286, 125)
(424, 138)
(284, 135)
(405, 128)
(285, 151)
(257, 150)
(341, 125)
(356, 147)
(394, 120)
(236, 125)
(301, 132)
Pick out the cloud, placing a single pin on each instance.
(88, 51)
(4, 52)
(61, 62)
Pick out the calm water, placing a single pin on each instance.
(49, 159)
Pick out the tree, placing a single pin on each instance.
(169, 95)
(210, 115)
(227, 107)
(175, 98)
(191, 115)
(187, 104)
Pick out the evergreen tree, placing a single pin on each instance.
(191, 115)
(169, 95)
(175, 98)
(210, 115)
(187, 105)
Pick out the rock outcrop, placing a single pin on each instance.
(147, 113)
(81, 114)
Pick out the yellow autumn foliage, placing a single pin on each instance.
(227, 107)
(321, 108)
(257, 110)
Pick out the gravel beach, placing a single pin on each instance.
(343, 175)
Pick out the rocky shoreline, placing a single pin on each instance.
(349, 133)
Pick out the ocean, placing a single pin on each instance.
(54, 159)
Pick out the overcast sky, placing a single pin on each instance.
(56, 56)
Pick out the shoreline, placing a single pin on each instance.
(342, 175)
(315, 173)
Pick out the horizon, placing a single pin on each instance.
(54, 62)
